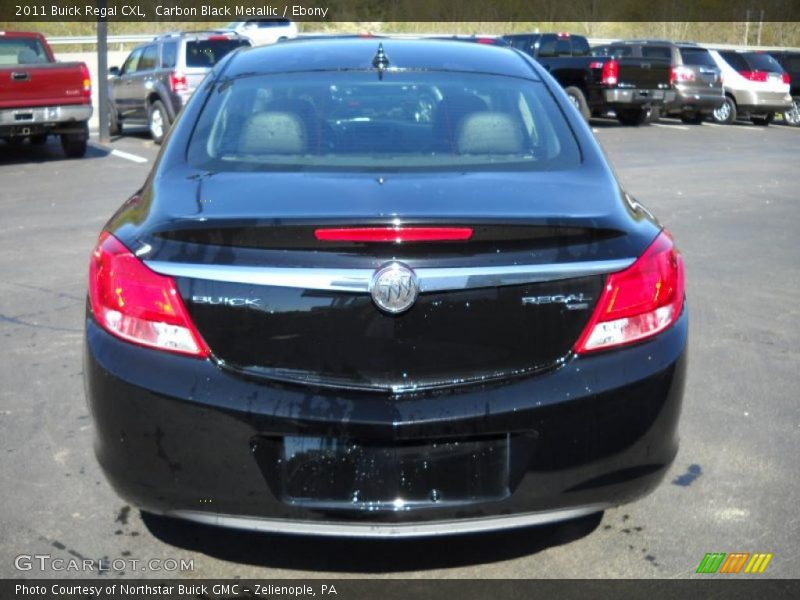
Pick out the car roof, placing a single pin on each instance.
(20, 34)
(351, 53)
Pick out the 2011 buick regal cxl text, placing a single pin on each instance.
(381, 287)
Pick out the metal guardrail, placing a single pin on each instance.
(146, 37)
(91, 39)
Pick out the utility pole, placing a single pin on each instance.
(102, 75)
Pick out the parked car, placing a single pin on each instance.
(158, 77)
(756, 86)
(322, 314)
(790, 61)
(265, 31)
(40, 96)
(629, 86)
(695, 76)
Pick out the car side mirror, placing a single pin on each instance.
(114, 71)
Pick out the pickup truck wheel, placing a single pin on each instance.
(792, 116)
(633, 116)
(74, 144)
(725, 113)
(763, 120)
(158, 121)
(579, 101)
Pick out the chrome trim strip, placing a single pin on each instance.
(358, 280)
(387, 530)
(437, 279)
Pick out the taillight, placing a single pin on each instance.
(787, 78)
(610, 73)
(86, 83)
(138, 305)
(177, 82)
(640, 301)
(681, 74)
(754, 75)
(396, 235)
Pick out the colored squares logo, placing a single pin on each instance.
(734, 563)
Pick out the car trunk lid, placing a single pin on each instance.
(272, 299)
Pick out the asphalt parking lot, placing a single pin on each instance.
(729, 194)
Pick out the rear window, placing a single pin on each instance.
(735, 60)
(207, 53)
(407, 121)
(580, 46)
(697, 57)
(618, 51)
(763, 62)
(557, 45)
(22, 51)
(657, 52)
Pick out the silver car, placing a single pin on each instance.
(756, 86)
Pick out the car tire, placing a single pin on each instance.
(158, 121)
(74, 144)
(633, 117)
(693, 118)
(726, 113)
(578, 100)
(39, 139)
(114, 126)
(762, 121)
(792, 117)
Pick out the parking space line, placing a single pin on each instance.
(669, 126)
(128, 156)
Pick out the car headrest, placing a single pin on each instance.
(489, 133)
(449, 114)
(27, 56)
(273, 132)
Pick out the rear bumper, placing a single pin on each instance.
(689, 100)
(15, 121)
(632, 98)
(762, 102)
(180, 437)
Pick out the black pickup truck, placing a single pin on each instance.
(629, 86)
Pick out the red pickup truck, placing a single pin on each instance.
(39, 96)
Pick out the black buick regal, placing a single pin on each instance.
(383, 288)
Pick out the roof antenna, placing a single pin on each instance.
(380, 62)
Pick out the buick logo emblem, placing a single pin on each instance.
(394, 288)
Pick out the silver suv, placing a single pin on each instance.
(755, 85)
(158, 77)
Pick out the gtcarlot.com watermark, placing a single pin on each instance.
(46, 562)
